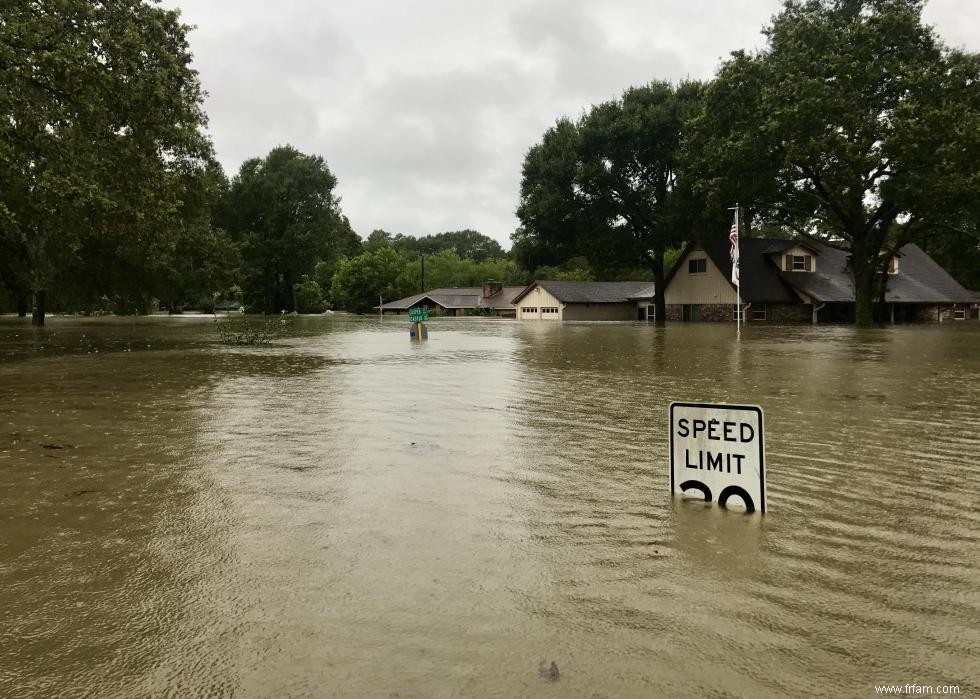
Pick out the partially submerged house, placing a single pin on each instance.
(567, 300)
(491, 298)
(804, 281)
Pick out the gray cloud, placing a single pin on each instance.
(424, 110)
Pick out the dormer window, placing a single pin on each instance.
(893, 265)
(798, 263)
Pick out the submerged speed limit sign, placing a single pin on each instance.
(719, 451)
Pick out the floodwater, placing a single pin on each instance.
(346, 513)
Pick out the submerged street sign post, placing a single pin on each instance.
(718, 449)
(417, 317)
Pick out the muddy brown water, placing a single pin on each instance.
(345, 513)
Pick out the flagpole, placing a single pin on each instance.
(736, 275)
(738, 279)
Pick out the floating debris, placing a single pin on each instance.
(549, 672)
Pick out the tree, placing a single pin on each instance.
(464, 244)
(360, 281)
(854, 126)
(100, 119)
(284, 214)
(551, 215)
(378, 239)
(610, 186)
(447, 269)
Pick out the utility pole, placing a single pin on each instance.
(422, 290)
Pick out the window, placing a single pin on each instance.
(959, 312)
(738, 313)
(528, 310)
(549, 309)
(759, 312)
(697, 266)
(798, 263)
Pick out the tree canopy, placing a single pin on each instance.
(854, 126)
(283, 212)
(610, 186)
(100, 137)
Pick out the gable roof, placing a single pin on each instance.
(919, 278)
(644, 294)
(456, 298)
(586, 292)
(760, 282)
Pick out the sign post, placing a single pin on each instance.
(417, 317)
(718, 450)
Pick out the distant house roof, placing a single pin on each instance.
(919, 278)
(587, 292)
(456, 298)
(644, 294)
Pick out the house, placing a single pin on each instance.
(566, 300)
(803, 281)
(491, 298)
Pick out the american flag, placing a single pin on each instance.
(733, 249)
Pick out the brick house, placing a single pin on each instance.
(796, 281)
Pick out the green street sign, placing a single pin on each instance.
(418, 315)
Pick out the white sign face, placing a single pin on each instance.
(719, 451)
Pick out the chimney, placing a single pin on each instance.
(491, 288)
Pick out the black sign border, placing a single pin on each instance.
(725, 406)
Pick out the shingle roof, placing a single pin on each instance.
(587, 292)
(760, 282)
(919, 278)
(647, 292)
(457, 297)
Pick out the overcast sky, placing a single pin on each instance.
(424, 109)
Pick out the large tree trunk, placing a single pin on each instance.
(37, 316)
(881, 307)
(863, 293)
(659, 300)
(656, 265)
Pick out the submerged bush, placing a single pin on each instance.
(237, 330)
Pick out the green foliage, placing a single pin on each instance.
(465, 244)
(447, 269)
(671, 256)
(552, 217)
(854, 126)
(378, 239)
(237, 329)
(100, 141)
(360, 281)
(611, 186)
(282, 212)
(309, 296)
(575, 269)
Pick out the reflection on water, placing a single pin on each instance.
(349, 513)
